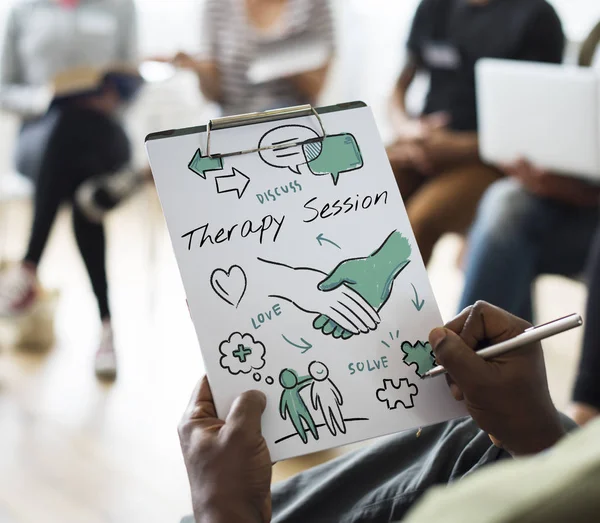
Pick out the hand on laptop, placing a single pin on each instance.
(408, 151)
(428, 146)
(508, 397)
(416, 129)
(545, 184)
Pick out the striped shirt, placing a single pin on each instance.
(229, 40)
(44, 38)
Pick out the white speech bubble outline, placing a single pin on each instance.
(286, 157)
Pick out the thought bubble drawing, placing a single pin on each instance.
(286, 155)
(333, 156)
(241, 353)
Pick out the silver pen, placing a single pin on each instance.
(531, 335)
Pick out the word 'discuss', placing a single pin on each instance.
(204, 234)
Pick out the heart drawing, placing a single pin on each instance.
(229, 285)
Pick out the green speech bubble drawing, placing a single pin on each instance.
(334, 155)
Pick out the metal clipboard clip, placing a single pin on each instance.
(228, 122)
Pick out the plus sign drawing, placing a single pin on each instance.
(242, 354)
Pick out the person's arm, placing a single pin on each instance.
(589, 47)
(407, 75)
(544, 39)
(450, 147)
(209, 76)
(555, 187)
(413, 62)
(204, 64)
(15, 95)
(557, 487)
(310, 83)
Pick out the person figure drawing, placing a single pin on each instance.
(326, 397)
(291, 403)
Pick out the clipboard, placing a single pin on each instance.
(302, 274)
(272, 116)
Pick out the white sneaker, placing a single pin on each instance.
(105, 364)
(19, 290)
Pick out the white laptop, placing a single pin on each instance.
(548, 114)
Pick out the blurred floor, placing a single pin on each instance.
(73, 450)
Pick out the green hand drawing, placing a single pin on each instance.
(371, 277)
(419, 354)
(334, 155)
(291, 403)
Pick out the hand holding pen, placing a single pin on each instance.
(508, 396)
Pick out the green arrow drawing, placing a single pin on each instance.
(203, 164)
(321, 239)
(306, 347)
(415, 302)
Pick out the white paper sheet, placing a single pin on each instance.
(283, 61)
(277, 254)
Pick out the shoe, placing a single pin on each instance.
(105, 364)
(19, 291)
(99, 195)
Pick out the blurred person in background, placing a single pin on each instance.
(435, 157)
(536, 222)
(586, 393)
(79, 140)
(238, 33)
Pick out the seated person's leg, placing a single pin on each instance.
(18, 290)
(587, 388)
(447, 203)
(516, 237)
(408, 180)
(92, 246)
(104, 151)
(380, 483)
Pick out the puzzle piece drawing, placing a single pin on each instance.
(419, 354)
(392, 394)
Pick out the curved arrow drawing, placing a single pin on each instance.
(237, 182)
(418, 305)
(306, 347)
(321, 239)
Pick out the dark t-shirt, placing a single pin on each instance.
(449, 36)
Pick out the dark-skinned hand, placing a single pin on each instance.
(508, 396)
(228, 462)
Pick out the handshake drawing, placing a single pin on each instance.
(347, 301)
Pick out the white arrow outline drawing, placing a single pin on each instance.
(238, 182)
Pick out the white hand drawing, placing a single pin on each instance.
(343, 305)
